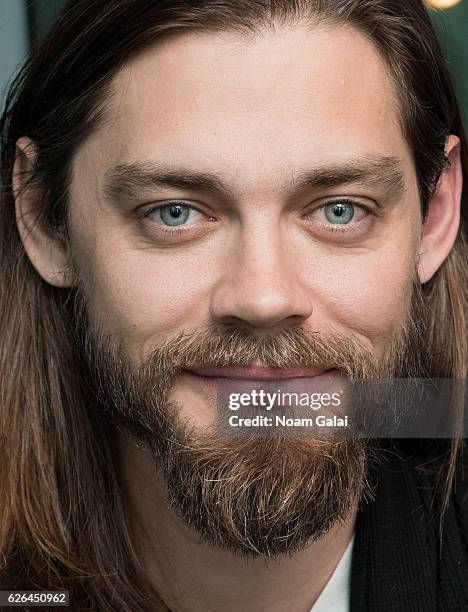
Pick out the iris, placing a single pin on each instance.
(339, 213)
(174, 215)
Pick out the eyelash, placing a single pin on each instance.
(175, 229)
(329, 227)
(345, 228)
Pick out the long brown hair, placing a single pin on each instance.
(62, 521)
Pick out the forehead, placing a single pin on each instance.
(267, 103)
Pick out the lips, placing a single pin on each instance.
(258, 372)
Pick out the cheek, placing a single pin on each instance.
(143, 295)
(367, 295)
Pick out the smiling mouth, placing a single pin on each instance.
(258, 372)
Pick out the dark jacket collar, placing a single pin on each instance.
(399, 562)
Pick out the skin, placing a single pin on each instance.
(256, 113)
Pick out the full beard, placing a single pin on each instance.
(254, 496)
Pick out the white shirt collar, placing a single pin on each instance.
(335, 595)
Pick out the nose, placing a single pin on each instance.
(261, 285)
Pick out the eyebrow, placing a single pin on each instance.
(126, 182)
(383, 171)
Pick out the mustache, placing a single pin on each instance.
(290, 347)
(215, 345)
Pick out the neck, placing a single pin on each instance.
(192, 576)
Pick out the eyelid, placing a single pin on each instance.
(323, 203)
(354, 230)
(157, 205)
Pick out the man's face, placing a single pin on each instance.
(255, 185)
(260, 116)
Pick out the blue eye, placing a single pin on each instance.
(339, 213)
(175, 214)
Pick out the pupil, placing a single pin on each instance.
(339, 210)
(176, 211)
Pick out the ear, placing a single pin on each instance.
(47, 253)
(442, 223)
